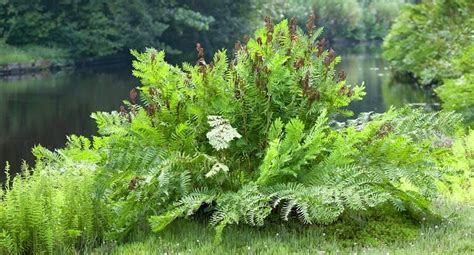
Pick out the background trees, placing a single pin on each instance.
(432, 42)
(341, 19)
(99, 28)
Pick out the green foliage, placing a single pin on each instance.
(433, 42)
(49, 209)
(461, 182)
(100, 28)
(232, 20)
(342, 19)
(380, 16)
(96, 28)
(30, 54)
(373, 228)
(275, 151)
(457, 94)
(426, 37)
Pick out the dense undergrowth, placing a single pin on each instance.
(433, 41)
(251, 140)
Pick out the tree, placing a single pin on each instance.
(96, 28)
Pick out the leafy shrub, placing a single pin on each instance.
(276, 75)
(426, 37)
(50, 209)
(250, 137)
(458, 94)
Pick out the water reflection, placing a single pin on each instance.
(43, 110)
(365, 64)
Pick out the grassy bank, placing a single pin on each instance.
(455, 236)
(29, 54)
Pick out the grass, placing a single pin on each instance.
(454, 236)
(27, 54)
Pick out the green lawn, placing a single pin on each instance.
(455, 236)
(28, 54)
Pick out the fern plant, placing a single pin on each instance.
(49, 209)
(250, 137)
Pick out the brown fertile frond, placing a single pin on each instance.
(133, 95)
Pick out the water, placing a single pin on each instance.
(46, 108)
(365, 64)
(43, 110)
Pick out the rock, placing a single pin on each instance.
(43, 64)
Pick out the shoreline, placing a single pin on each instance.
(16, 70)
(19, 69)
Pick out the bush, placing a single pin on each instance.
(269, 147)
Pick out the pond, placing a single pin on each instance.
(45, 108)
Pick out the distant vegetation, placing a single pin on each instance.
(342, 19)
(458, 93)
(433, 42)
(28, 54)
(427, 37)
(99, 28)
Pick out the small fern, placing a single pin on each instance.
(50, 208)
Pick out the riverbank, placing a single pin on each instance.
(16, 61)
(30, 53)
(20, 61)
